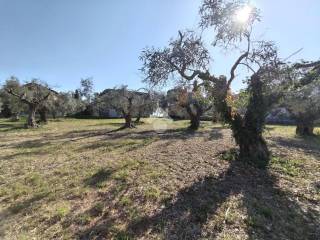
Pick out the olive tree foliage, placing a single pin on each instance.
(147, 104)
(126, 102)
(182, 56)
(220, 15)
(302, 95)
(86, 95)
(188, 58)
(10, 103)
(62, 105)
(195, 100)
(34, 95)
(68, 105)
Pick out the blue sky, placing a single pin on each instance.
(62, 41)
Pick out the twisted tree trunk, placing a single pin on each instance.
(31, 120)
(305, 128)
(194, 108)
(128, 121)
(247, 130)
(33, 104)
(195, 113)
(254, 147)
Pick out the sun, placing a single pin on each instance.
(242, 15)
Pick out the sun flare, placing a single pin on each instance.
(242, 15)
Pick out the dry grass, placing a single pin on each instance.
(82, 179)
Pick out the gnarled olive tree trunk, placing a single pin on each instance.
(31, 120)
(304, 128)
(247, 130)
(128, 121)
(195, 113)
(254, 147)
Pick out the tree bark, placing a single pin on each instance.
(194, 115)
(247, 130)
(305, 129)
(43, 115)
(254, 149)
(31, 120)
(194, 122)
(128, 121)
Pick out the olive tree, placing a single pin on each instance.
(34, 94)
(193, 102)
(302, 96)
(126, 102)
(66, 104)
(183, 54)
(188, 58)
(147, 104)
(13, 104)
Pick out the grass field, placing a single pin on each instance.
(84, 179)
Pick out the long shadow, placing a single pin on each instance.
(70, 136)
(107, 134)
(10, 127)
(179, 133)
(15, 155)
(309, 145)
(22, 207)
(148, 137)
(215, 134)
(272, 213)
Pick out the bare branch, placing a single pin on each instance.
(21, 97)
(239, 60)
(234, 67)
(307, 65)
(291, 55)
(248, 66)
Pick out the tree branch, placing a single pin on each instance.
(234, 67)
(236, 64)
(247, 65)
(22, 99)
(307, 65)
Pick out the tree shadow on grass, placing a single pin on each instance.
(130, 141)
(21, 207)
(168, 134)
(99, 177)
(272, 213)
(215, 134)
(24, 154)
(4, 127)
(309, 144)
